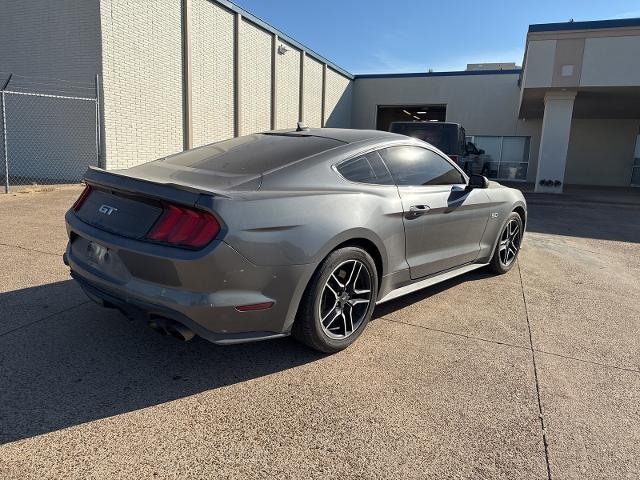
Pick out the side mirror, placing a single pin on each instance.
(477, 181)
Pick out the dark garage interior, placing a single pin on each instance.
(397, 113)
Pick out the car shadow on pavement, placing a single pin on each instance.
(86, 363)
(415, 297)
(596, 221)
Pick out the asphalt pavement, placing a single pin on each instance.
(533, 374)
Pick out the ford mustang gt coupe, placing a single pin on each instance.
(299, 232)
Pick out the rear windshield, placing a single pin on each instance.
(443, 137)
(252, 154)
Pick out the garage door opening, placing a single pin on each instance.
(398, 113)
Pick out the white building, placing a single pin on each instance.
(176, 74)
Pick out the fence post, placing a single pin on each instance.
(4, 139)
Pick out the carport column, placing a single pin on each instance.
(554, 141)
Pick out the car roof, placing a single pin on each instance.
(425, 122)
(346, 135)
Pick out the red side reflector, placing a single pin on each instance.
(184, 227)
(83, 196)
(254, 307)
(454, 158)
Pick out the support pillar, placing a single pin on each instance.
(554, 141)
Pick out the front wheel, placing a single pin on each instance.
(338, 302)
(508, 246)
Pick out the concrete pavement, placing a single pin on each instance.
(455, 381)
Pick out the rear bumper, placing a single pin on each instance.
(143, 311)
(200, 289)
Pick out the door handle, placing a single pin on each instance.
(418, 209)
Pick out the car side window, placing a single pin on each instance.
(367, 168)
(411, 165)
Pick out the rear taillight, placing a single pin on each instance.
(83, 196)
(184, 227)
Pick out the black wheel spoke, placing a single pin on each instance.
(509, 242)
(345, 299)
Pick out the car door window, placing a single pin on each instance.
(367, 168)
(411, 165)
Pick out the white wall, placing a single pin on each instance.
(611, 61)
(338, 100)
(288, 87)
(255, 78)
(312, 92)
(142, 80)
(601, 151)
(212, 75)
(538, 67)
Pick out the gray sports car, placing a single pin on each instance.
(295, 232)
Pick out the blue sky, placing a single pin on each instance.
(381, 36)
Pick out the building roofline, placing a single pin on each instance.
(591, 25)
(229, 5)
(457, 73)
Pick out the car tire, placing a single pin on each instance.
(332, 312)
(509, 242)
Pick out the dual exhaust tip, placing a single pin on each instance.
(165, 326)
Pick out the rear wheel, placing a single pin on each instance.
(338, 302)
(508, 247)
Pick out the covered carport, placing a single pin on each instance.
(582, 80)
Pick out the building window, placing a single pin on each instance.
(504, 158)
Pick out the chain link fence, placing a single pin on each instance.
(49, 132)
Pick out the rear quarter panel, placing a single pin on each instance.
(299, 216)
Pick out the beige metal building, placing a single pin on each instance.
(173, 74)
(570, 115)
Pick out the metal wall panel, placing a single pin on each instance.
(338, 100)
(212, 65)
(41, 38)
(255, 79)
(312, 92)
(288, 86)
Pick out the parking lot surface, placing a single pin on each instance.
(533, 374)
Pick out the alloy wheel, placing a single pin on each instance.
(345, 299)
(509, 242)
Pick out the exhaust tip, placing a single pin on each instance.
(180, 332)
(158, 329)
(165, 326)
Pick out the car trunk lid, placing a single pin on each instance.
(131, 206)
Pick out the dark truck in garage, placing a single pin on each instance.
(448, 137)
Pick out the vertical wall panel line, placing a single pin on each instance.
(237, 75)
(186, 76)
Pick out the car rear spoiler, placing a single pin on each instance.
(175, 192)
